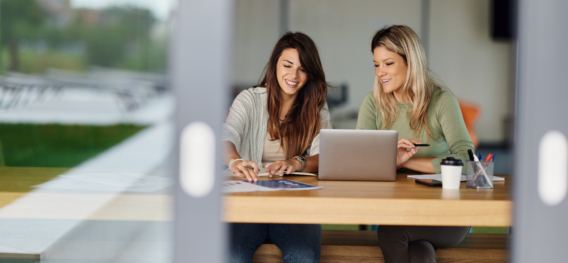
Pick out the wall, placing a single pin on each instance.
(257, 29)
(473, 66)
(461, 51)
(343, 31)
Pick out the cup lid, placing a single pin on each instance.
(451, 161)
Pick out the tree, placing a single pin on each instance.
(19, 19)
(119, 28)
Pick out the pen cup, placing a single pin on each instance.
(479, 174)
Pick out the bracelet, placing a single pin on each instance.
(234, 161)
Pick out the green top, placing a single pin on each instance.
(445, 121)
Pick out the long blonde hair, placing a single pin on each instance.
(418, 87)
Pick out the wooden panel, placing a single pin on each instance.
(392, 203)
(369, 238)
(269, 253)
(367, 211)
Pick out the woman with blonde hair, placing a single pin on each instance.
(276, 125)
(406, 98)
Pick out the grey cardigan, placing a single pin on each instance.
(246, 125)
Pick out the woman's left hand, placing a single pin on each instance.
(281, 167)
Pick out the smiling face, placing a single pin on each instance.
(391, 70)
(290, 73)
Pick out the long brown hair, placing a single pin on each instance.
(303, 122)
(418, 87)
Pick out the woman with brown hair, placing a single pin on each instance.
(407, 99)
(276, 126)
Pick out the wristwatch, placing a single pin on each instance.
(302, 160)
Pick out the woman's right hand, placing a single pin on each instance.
(405, 150)
(238, 168)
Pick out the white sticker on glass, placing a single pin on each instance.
(197, 159)
(553, 168)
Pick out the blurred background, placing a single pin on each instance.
(85, 130)
(84, 93)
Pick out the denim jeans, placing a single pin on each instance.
(298, 243)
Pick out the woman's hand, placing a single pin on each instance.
(238, 168)
(405, 150)
(281, 167)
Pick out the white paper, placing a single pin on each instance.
(439, 177)
(242, 186)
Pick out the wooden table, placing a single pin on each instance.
(402, 202)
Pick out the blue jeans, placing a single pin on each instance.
(298, 243)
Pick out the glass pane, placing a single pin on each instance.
(85, 131)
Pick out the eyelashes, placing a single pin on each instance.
(388, 64)
(288, 66)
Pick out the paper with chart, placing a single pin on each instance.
(265, 185)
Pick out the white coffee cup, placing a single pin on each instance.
(451, 173)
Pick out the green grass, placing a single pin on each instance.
(55, 145)
(31, 62)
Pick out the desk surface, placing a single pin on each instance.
(402, 202)
(340, 202)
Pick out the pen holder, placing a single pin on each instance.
(479, 174)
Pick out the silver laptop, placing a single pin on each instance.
(357, 155)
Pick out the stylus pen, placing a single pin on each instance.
(421, 144)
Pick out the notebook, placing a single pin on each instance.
(263, 172)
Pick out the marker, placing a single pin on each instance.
(421, 144)
(488, 158)
(470, 153)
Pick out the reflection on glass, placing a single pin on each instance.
(85, 130)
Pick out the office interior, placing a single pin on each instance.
(88, 111)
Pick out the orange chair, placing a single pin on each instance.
(471, 113)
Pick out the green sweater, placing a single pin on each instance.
(445, 121)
